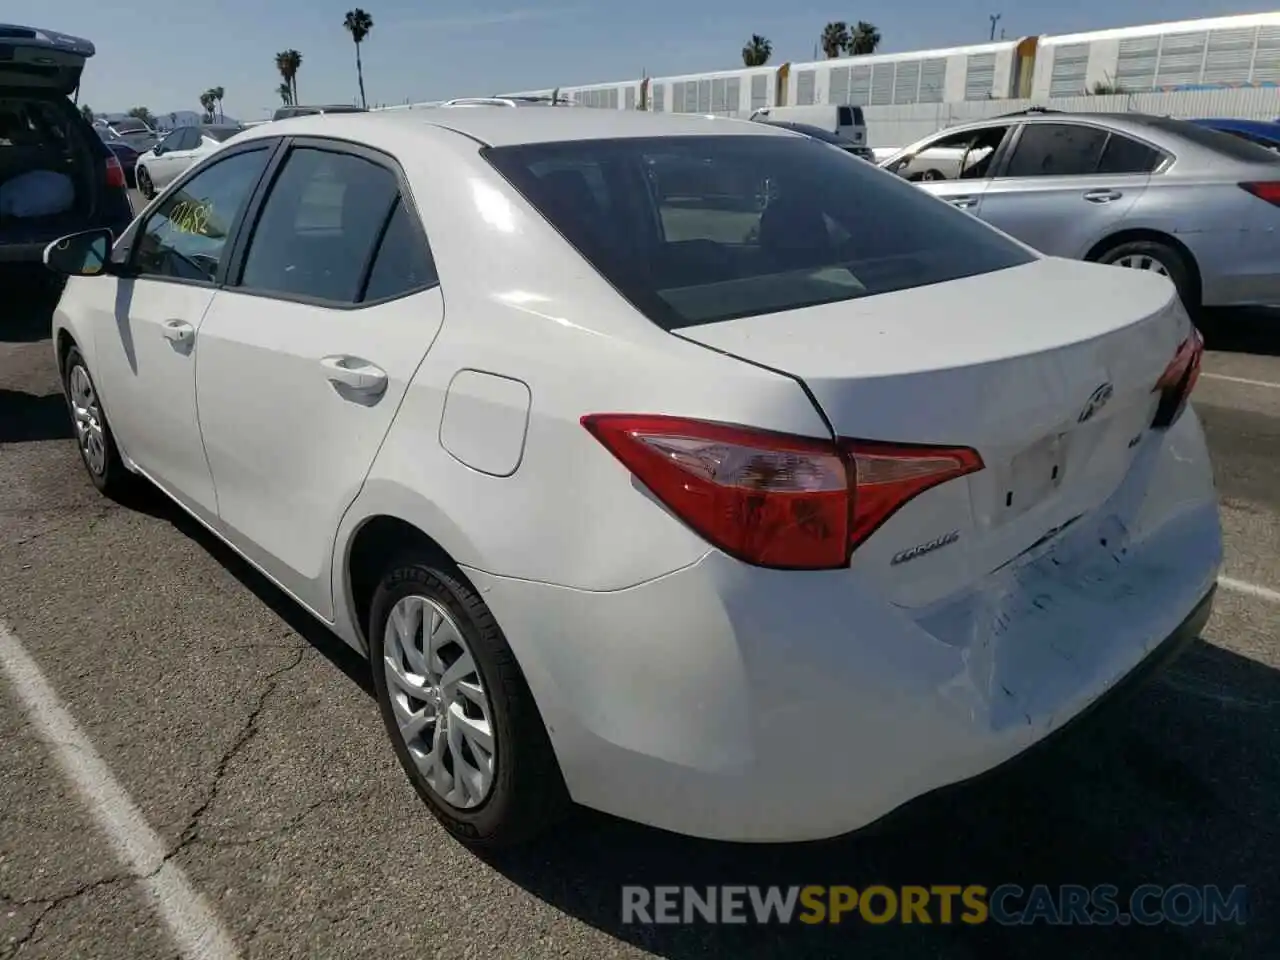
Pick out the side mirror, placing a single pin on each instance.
(158, 149)
(80, 254)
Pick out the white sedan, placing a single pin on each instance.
(177, 152)
(746, 518)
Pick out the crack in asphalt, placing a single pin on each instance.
(191, 833)
(47, 905)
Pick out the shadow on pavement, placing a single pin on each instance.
(25, 417)
(1254, 330)
(147, 499)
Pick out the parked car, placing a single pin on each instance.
(1265, 133)
(745, 540)
(60, 177)
(126, 154)
(286, 113)
(1152, 193)
(848, 146)
(170, 157)
(845, 121)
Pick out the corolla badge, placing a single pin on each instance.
(1097, 400)
(920, 549)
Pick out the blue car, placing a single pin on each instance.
(1265, 133)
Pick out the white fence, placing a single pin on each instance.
(900, 125)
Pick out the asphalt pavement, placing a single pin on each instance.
(248, 743)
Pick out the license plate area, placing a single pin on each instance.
(1034, 475)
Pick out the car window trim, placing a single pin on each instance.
(1165, 157)
(129, 256)
(253, 213)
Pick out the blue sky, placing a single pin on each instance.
(162, 55)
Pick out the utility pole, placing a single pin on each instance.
(994, 18)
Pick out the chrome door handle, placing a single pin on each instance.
(1103, 196)
(964, 203)
(179, 331)
(354, 373)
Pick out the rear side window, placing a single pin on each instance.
(321, 225)
(1123, 155)
(701, 229)
(1056, 150)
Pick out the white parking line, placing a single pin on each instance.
(195, 930)
(1252, 589)
(1245, 381)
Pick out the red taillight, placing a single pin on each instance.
(1268, 191)
(1178, 380)
(115, 172)
(772, 499)
(887, 476)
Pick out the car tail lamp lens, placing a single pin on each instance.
(1178, 380)
(772, 499)
(1268, 191)
(888, 476)
(115, 172)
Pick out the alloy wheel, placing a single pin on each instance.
(87, 416)
(439, 700)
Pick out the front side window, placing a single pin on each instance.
(186, 237)
(320, 227)
(701, 229)
(967, 155)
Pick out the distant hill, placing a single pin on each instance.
(167, 121)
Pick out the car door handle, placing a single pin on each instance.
(1103, 196)
(354, 373)
(964, 203)
(179, 331)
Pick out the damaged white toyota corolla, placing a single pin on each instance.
(688, 469)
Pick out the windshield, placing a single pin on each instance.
(130, 126)
(698, 229)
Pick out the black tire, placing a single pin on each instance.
(143, 180)
(1175, 264)
(528, 794)
(113, 479)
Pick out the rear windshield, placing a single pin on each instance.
(851, 116)
(130, 126)
(220, 133)
(1216, 140)
(695, 230)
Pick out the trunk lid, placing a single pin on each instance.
(31, 58)
(1047, 370)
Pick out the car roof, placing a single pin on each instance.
(500, 127)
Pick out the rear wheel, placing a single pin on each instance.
(145, 186)
(1158, 258)
(461, 718)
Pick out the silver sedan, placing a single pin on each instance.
(1151, 193)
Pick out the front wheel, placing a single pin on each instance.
(461, 718)
(97, 445)
(1158, 258)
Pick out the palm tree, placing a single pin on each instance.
(207, 100)
(757, 51)
(358, 23)
(835, 38)
(218, 94)
(173, 120)
(865, 38)
(87, 112)
(286, 95)
(289, 62)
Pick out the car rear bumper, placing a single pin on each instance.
(737, 703)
